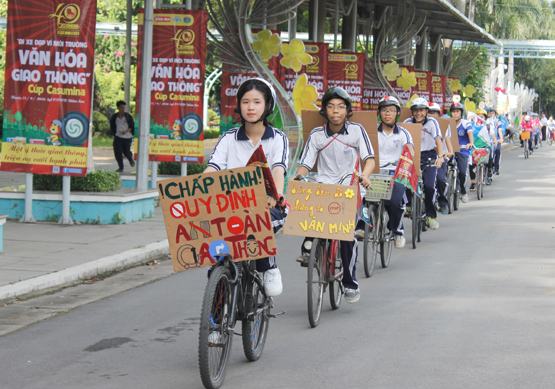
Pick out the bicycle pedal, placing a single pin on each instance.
(274, 315)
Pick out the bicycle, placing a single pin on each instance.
(417, 211)
(234, 291)
(379, 240)
(453, 190)
(480, 161)
(525, 136)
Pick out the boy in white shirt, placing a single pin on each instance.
(337, 147)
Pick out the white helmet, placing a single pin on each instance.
(527, 118)
(419, 103)
(434, 107)
(388, 101)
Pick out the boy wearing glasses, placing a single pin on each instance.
(337, 148)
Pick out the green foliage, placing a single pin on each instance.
(102, 141)
(101, 124)
(174, 168)
(212, 133)
(96, 181)
(474, 62)
(213, 118)
(538, 74)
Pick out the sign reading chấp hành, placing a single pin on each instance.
(321, 210)
(227, 209)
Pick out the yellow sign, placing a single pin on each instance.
(178, 20)
(67, 16)
(37, 154)
(189, 148)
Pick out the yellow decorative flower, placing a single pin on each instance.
(412, 98)
(349, 193)
(294, 55)
(469, 105)
(455, 85)
(469, 90)
(391, 71)
(266, 44)
(304, 95)
(407, 79)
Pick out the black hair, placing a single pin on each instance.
(120, 103)
(262, 88)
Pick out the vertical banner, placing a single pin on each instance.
(48, 86)
(317, 71)
(231, 80)
(371, 97)
(404, 94)
(448, 92)
(437, 91)
(423, 84)
(346, 70)
(177, 89)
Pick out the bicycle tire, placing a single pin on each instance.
(450, 192)
(335, 287)
(484, 173)
(526, 150)
(414, 221)
(254, 329)
(456, 195)
(386, 240)
(420, 219)
(217, 296)
(315, 285)
(478, 181)
(368, 248)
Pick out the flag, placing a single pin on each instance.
(259, 158)
(405, 173)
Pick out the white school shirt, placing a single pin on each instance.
(430, 131)
(234, 149)
(390, 146)
(336, 157)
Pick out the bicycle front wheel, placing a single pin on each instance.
(386, 239)
(451, 191)
(335, 275)
(256, 321)
(479, 182)
(315, 281)
(214, 336)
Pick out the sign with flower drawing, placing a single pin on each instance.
(321, 210)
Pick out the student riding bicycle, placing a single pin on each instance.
(337, 149)
(256, 100)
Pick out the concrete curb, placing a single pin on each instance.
(72, 275)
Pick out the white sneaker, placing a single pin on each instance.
(464, 198)
(359, 235)
(272, 282)
(432, 223)
(352, 295)
(399, 241)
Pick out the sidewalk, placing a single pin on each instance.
(43, 256)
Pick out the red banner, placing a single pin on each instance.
(347, 71)
(316, 72)
(423, 84)
(47, 95)
(404, 95)
(371, 97)
(437, 91)
(231, 80)
(177, 88)
(406, 173)
(448, 92)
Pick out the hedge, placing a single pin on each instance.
(96, 181)
(174, 168)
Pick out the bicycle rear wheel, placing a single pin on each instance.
(335, 285)
(420, 219)
(369, 248)
(214, 337)
(484, 173)
(451, 191)
(315, 281)
(256, 321)
(415, 221)
(478, 182)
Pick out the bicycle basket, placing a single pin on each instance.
(525, 135)
(480, 156)
(380, 187)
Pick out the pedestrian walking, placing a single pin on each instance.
(122, 128)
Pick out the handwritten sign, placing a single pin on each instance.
(321, 210)
(227, 207)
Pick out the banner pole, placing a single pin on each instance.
(66, 194)
(154, 174)
(144, 121)
(28, 216)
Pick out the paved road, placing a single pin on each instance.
(472, 307)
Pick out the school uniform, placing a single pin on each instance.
(463, 128)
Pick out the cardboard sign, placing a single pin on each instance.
(416, 133)
(368, 120)
(225, 210)
(405, 114)
(406, 173)
(444, 124)
(321, 210)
